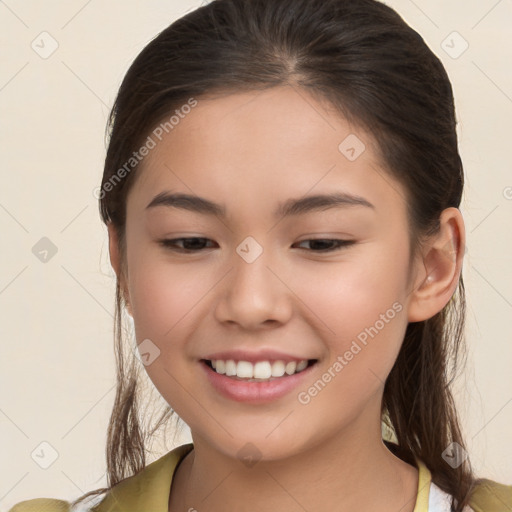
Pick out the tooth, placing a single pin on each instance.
(230, 368)
(278, 369)
(259, 370)
(262, 370)
(244, 369)
(301, 365)
(290, 368)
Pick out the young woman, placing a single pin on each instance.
(281, 191)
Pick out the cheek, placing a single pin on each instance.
(366, 324)
(350, 296)
(360, 308)
(163, 296)
(163, 301)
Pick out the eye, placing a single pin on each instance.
(197, 244)
(320, 244)
(190, 244)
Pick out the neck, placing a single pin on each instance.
(352, 471)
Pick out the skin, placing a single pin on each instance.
(327, 454)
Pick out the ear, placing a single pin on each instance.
(439, 267)
(115, 260)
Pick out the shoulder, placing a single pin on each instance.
(41, 505)
(491, 496)
(486, 496)
(145, 490)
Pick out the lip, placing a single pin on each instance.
(254, 357)
(255, 392)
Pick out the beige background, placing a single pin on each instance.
(57, 363)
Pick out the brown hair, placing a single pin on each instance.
(362, 58)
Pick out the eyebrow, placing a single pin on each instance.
(289, 208)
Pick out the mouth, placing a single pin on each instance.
(259, 382)
(261, 371)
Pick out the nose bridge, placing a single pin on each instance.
(253, 294)
(251, 263)
(250, 250)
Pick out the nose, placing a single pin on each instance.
(254, 295)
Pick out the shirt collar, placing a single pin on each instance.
(147, 490)
(424, 480)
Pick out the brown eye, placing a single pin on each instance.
(326, 244)
(190, 244)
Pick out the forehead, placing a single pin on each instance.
(280, 123)
(255, 146)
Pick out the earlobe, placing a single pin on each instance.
(441, 266)
(115, 261)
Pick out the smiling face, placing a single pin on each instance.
(252, 155)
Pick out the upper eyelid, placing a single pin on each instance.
(341, 242)
(210, 240)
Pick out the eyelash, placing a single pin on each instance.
(171, 243)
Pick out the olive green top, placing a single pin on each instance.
(148, 491)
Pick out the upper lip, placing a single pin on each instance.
(253, 357)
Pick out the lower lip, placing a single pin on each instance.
(255, 392)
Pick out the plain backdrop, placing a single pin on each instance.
(57, 361)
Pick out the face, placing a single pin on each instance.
(255, 281)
